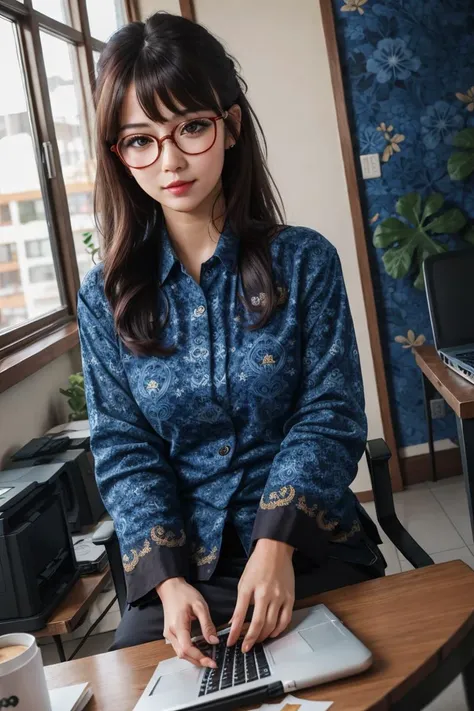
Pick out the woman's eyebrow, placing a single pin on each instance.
(134, 125)
(182, 116)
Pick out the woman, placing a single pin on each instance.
(221, 368)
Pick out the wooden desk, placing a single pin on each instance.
(410, 621)
(459, 395)
(69, 614)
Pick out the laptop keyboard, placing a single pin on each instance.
(467, 358)
(233, 666)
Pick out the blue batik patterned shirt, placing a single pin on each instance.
(263, 429)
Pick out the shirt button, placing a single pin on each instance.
(199, 311)
(224, 451)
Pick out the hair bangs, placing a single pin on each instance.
(178, 88)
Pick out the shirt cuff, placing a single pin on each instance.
(145, 569)
(291, 525)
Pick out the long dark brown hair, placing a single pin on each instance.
(183, 64)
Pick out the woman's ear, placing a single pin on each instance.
(235, 115)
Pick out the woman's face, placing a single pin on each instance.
(202, 172)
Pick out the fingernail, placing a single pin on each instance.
(214, 639)
(245, 648)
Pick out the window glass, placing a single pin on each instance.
(22, 213)
(105, 17)
(96, 57)
(57, 9)
(78, 165)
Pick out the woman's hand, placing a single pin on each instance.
(268, 582)
(182, 604)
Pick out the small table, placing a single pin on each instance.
(70, 613)
(459, 395)
(419, 626)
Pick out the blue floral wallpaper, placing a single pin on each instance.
(408, 68)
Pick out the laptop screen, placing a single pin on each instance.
(451, 295)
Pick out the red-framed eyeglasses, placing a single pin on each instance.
(193, 137)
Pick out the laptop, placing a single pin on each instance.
(449, 280)
(314, 649)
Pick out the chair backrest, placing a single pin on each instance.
(449, 280)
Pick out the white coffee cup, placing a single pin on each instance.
(22, 680)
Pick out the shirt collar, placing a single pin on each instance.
(226, 251)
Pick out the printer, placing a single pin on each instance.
(37, 562)
(81, 497)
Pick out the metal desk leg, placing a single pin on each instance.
(428, 391)
(466, 445)
(59, 646)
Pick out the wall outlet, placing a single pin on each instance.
(438, 408)
(370, 163)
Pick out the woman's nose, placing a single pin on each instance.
(172, 158)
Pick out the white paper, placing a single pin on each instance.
(303, 704)
(70, 698)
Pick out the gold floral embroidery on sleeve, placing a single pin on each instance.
(282, 497)
(167, 538)
(199, 556)
(131, 564)
(314, 512)
(161, 538)
(343, 536)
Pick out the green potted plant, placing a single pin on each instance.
(76, 397)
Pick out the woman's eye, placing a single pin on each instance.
(137, 141)
(194, 127)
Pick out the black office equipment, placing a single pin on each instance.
(81, 496)
(42, 446)
(37, 563)
(449, 280)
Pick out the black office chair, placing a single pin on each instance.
(378, 455)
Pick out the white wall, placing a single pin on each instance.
(148, 7)
(34, 405)
(281, 47)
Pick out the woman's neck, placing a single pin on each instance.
(194, 235)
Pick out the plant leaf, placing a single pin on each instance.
(464, 139)
(397, 260)
(409, 207)
(461, 165)
(434, 203)
(391, 230)
(419, 282)
(449, 222)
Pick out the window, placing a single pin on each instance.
(44, 272)
(47, 164)
(5, 215)
(9, 281)
(7, 253)
(57, 9)
(38, 248)
(105, 17)
(19, 173)
(70, 122)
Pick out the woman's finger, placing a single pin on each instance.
(271, 620)
(258, 620)
(238, 618)
(188, 650)
(208, 629)
(284, 619)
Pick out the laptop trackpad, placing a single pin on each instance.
(289, 647)
(299, 644)
(178, 680)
